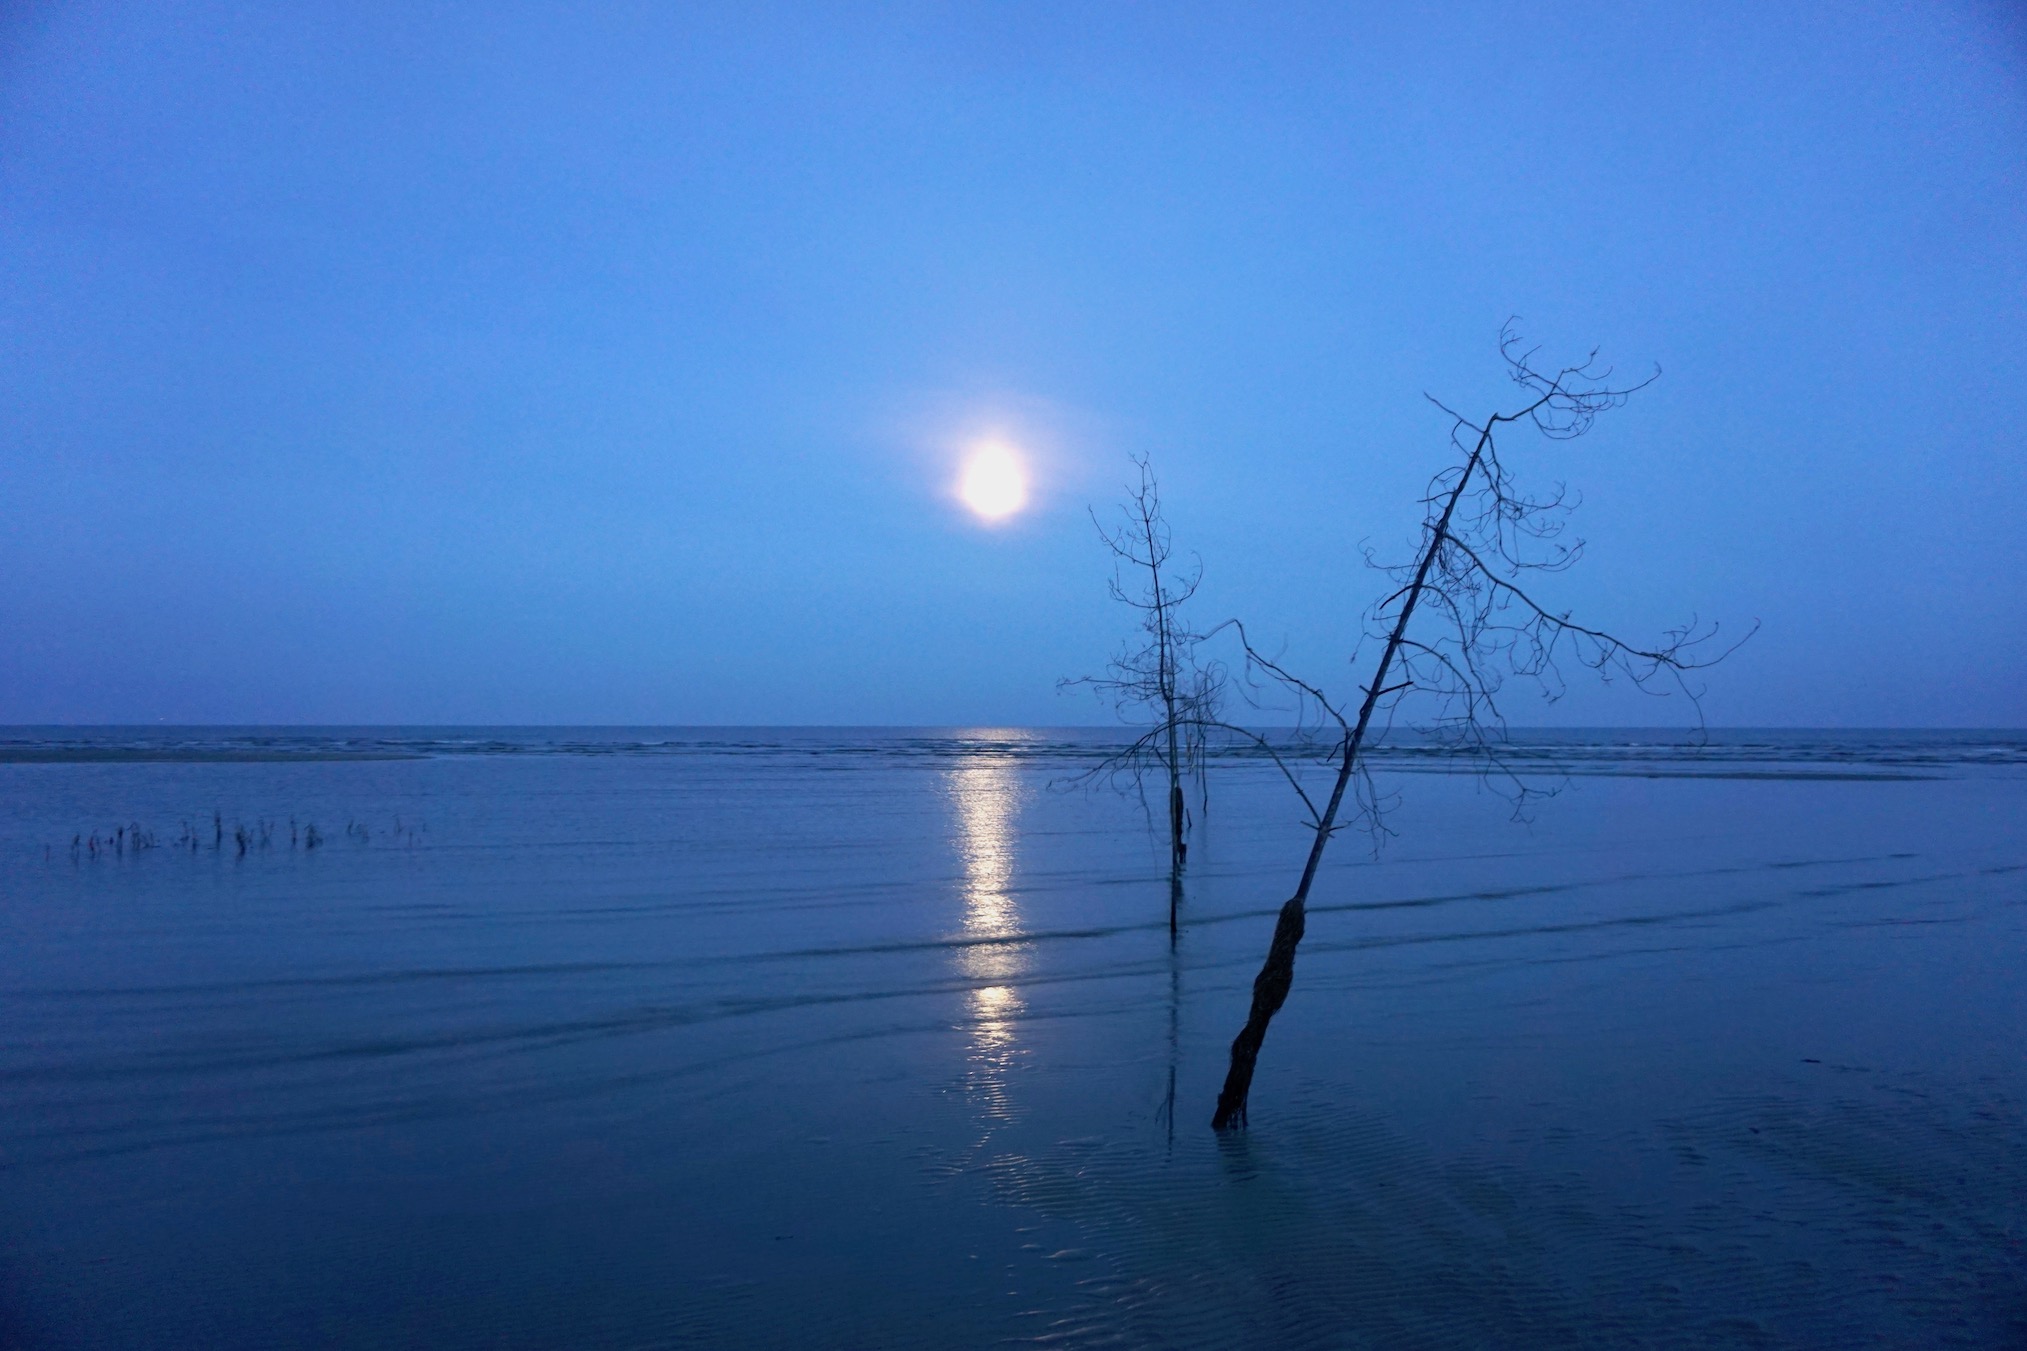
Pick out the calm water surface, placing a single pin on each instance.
(623, 1038)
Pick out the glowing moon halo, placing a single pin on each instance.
(995, 483)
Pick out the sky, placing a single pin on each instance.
(417, 363)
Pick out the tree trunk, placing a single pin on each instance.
(1270, 991)
(1277, 973)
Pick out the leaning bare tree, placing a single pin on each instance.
(1481, 624)
(1155, 679)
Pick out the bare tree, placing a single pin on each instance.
(1482, 539)
(1156, 679)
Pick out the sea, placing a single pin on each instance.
(803, 1037)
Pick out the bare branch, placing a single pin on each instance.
(1480, 533)
(1157, 676)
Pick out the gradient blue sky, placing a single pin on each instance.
(530, 364)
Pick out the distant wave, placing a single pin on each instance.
(1726, 752)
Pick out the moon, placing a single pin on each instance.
(994, 483)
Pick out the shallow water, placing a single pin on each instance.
(727, 1038)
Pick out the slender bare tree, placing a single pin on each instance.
(1482, 625)
(1155, 680)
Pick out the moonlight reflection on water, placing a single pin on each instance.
(986, 792)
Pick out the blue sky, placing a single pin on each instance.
(611, 364)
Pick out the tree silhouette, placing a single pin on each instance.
(1471, 584)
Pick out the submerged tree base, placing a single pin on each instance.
(1270, 992)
